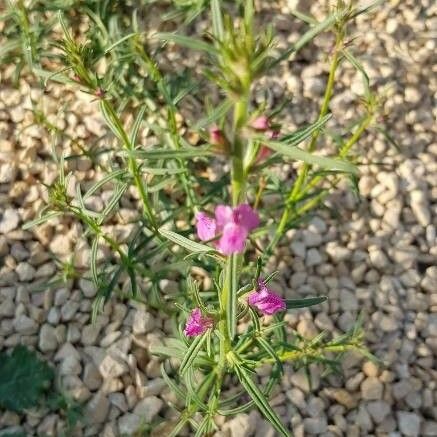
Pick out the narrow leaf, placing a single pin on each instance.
(303, 303)
(304, 133)
(190, 245)
(260, 401)
(191, 353)
(169, 153)
(187, 41)
(307, 37)
(331, 164)
(120, 41)
(232, 290)
(217, 20)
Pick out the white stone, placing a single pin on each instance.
(420, 207)
(8, 171)
(9, 221)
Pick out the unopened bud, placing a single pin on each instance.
(260, 123)
(216, 137)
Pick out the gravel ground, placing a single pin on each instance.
(378, 256)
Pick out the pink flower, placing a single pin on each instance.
(197, 324)
(206, 226)
(265, 300)
(233, 224)
(260, 123)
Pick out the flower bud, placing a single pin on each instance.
(260, 123)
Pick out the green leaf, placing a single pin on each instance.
(302, 134)
(308, 36)
(303, 303)
(137, 124)
(218, 113)
(169, 381)
(190, 245)
(359, 67)
(260, 401)
(331, 164)
(191, 353)
(217, 20)
(232, 295)
(170, 153)
(187, 41)
(268, 348)
(42, 219)
(109, 177)
(24, 379)
(120, 41)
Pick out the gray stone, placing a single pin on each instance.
(91, 376)
(143, 322)
(430, 428)
(371, 388)
(47, 338)
(112, 367)
(69, 310)
(70, 366)
(378, 410)
(128, 424)
(25, 325)
(315, 425)
(7, 308)
(348, 300)
(97, 408)
(148, 408)
(409, 423)
(25, 272)
(313, 257)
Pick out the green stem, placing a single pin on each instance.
(303, 172)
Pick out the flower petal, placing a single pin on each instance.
(245, 216)
(206, 226)
(232, 239)
(223, 216)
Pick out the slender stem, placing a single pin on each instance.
(303, 172)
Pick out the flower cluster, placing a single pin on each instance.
(231, 225)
